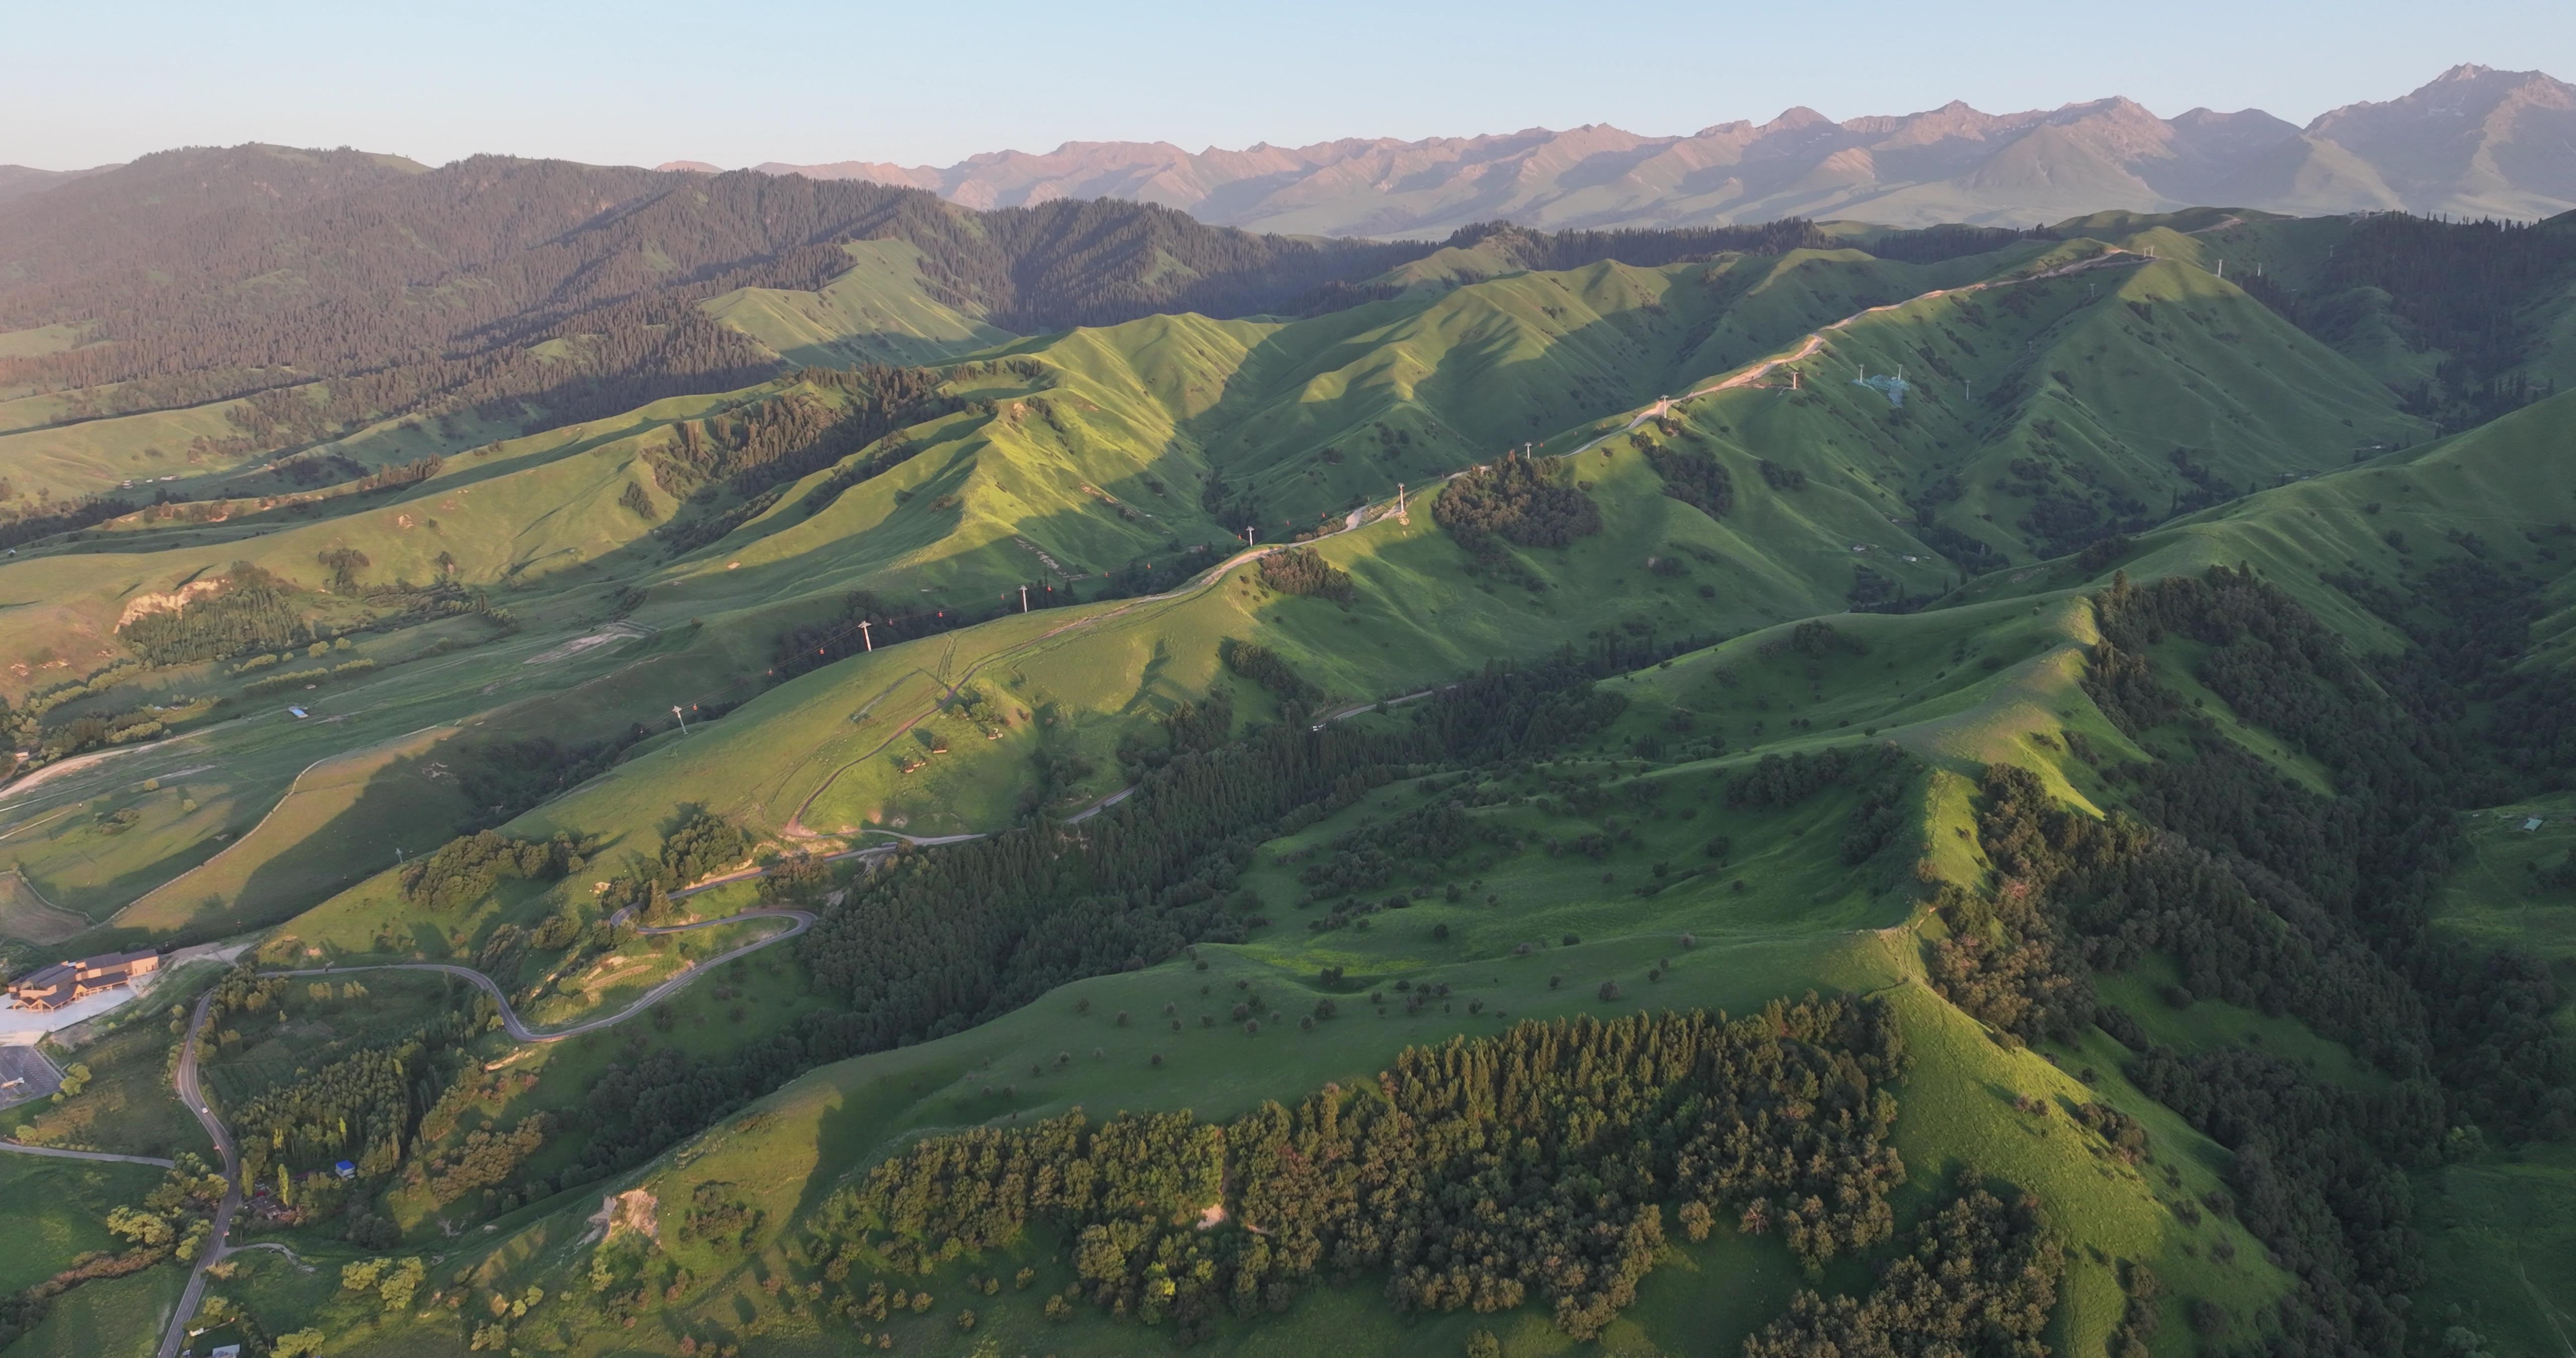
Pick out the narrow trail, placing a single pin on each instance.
(192, 1092)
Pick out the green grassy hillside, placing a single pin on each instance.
(881, 311)
(1790, 623)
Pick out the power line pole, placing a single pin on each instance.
(1250, 532)
(683, 716)
(1024, 598)
(864, 638)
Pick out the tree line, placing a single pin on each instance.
(521, 252)
(1980, 1277)
(1533, 1165)
(1302, 570)
(250, 610)
(1518, 500)
(934, 943)
(2276, 898)
(2460, 287)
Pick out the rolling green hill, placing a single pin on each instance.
(880, 311)
(2085, 670)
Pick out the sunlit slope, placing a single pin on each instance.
(54, 449)
(2084, 401)
(521, 511)
(881, 311)
(2365, 323)
(1299, 416)
(1103, 444)
(2504, 493)
(1076, 454)
(1550, 934)
(827, 751)
(1081, 471)
(2038, 415)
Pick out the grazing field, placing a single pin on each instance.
(26, 915)
(58, 1208)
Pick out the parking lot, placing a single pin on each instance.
(26, 1074)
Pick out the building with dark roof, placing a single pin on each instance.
(69, 982)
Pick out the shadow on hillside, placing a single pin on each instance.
(289, 864)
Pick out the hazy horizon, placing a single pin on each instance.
(642, 85)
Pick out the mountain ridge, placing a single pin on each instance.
(1953, 163)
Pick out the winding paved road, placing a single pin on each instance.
(802, 921)
(192, 1092)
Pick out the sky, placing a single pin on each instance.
(648, 81)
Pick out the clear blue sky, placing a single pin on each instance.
(653, 80)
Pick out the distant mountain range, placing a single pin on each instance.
(2476, 141)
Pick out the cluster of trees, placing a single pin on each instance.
(485, 1159)
(1777, 780)
(1981, 1278)
(1518, 499)
(2006, 959)
(1419, 841)
(1696, 479)
(1882, 778)
(1534, 1165)
(2273, 897)
(2456, 286)
(755, 451)
(366, 1106)
(465, 869)
(22, 524)
(251, 610)
(825, 416)
(2471, 623)
(1303, 570)
(700, 844)
(1780, 476)
(890, 454)
(935, 943)
(1297, 694)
